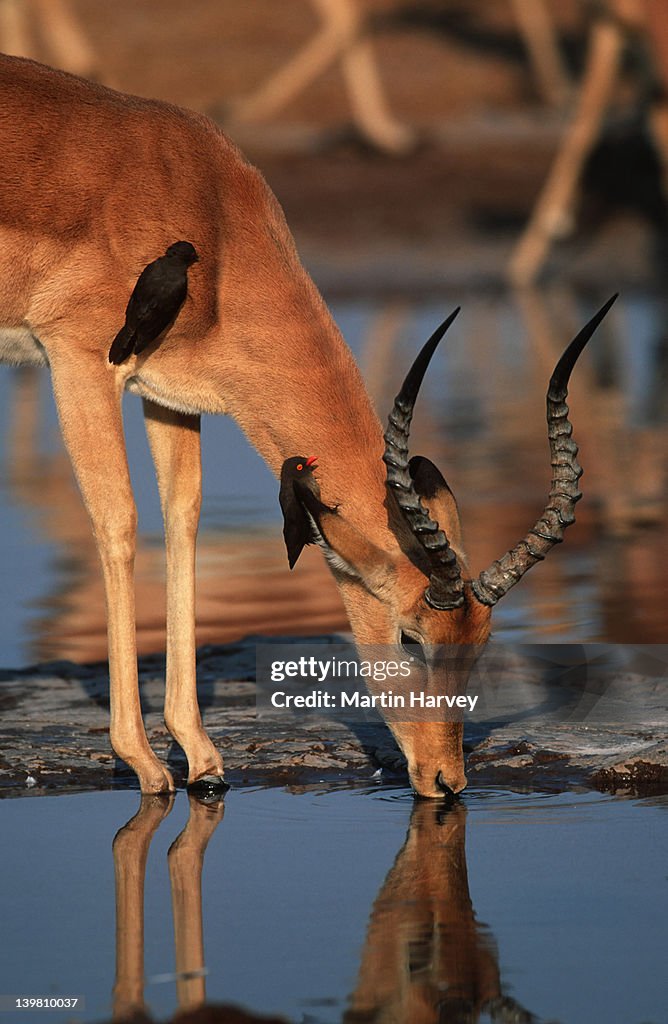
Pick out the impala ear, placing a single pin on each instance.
(435, 493)
(346, 549)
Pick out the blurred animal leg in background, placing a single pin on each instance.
(370, 110)
(66, 39)
(15, 31)
(656, 16)
(553, 208)
(25, 24)
(540, 38)
(340, 38)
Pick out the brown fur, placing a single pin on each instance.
(94, 185)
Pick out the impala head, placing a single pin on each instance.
(420, 595)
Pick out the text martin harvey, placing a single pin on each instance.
(387, 699)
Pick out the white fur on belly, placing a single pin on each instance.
(19, 347)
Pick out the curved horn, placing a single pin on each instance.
(446, 589)
(495, 582)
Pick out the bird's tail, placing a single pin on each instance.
(122, 346)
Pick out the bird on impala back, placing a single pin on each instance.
(156, 299)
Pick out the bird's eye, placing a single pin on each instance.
(413, 648)
(300, 466)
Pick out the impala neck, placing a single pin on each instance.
(296, 390)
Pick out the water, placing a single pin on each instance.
(326, 901)
(480, 417)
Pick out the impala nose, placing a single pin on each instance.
(430, 784)
(443, 786)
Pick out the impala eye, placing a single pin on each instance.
(413, 648)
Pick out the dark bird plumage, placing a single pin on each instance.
(156, 299)
(297, 480)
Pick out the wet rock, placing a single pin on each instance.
(645, 770)
(55, 723)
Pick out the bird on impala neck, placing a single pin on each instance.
(296, 477)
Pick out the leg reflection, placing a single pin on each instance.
(186, 856)
(130, 850)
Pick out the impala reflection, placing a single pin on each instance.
(426, 959)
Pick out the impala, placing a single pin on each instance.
(94, 185)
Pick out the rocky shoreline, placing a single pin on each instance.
(54, 733)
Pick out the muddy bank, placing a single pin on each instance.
(54, 732)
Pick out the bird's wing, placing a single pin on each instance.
(150, 293)
(122, 346)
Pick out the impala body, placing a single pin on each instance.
(94, 185)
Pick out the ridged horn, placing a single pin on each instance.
(446, 588)
(495, 582)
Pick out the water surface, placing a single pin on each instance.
(322, 903)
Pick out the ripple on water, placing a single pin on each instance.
(310, 897)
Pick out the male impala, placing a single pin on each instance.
(93, 186)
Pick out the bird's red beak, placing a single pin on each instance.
(312, 461)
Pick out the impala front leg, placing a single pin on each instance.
(175, 444)
(88, 402)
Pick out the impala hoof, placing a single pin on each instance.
(208, 784)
